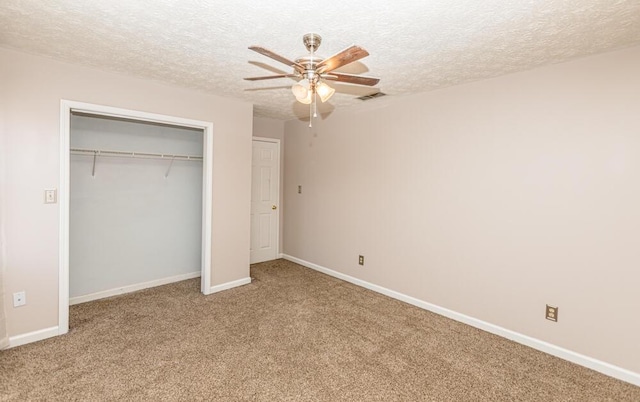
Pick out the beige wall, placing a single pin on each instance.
(271, 128)
(491, 199)
(31, 89)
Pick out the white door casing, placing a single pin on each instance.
(265, 208)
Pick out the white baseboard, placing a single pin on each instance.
(577, 358)
(280, 255)
(34, 336)
(131, 288)
(229, 285)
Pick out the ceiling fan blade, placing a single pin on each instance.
(351, 79)
(277, 57)
(346, 56)
(270, 77)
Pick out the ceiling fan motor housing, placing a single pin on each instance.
(312, 43)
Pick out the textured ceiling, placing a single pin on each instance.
(415, 45)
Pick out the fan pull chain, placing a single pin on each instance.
(315, 103)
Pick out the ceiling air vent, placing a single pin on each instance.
(372, 96)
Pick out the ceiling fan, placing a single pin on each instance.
(312, 70)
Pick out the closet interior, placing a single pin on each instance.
(135, 205)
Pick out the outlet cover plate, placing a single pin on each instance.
(19, 299)
(551, 313)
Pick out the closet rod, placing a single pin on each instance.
(126, 154)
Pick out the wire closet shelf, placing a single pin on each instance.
(130, 154)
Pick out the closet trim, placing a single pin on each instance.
(68, 107)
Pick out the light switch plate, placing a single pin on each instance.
(50, 196)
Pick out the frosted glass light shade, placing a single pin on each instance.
(324, 91)
(307, 99)
(301, 90)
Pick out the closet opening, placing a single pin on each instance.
(135, 201)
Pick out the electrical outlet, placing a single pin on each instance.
(299, 189)
(361, 259)
(551, 313)
(19, 299)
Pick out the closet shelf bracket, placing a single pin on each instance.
(169, 168)
(93, 170)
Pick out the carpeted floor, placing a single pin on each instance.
(291, 335)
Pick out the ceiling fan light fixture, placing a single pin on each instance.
(324, 91)
(301, 90)
(307, 99)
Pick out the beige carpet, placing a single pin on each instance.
(291, 335)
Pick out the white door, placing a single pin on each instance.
(265, 188)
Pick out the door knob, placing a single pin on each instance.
(274, 207)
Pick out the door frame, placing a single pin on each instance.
(278, 203)
(66, 109)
